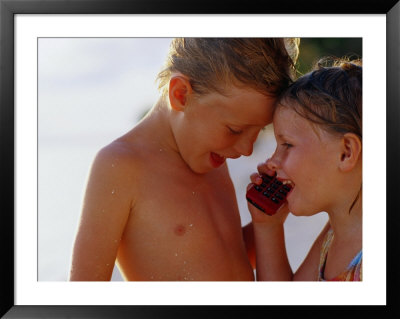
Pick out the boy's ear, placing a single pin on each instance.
(351, 151)
(179, 91)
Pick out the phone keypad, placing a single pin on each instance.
(270, 195)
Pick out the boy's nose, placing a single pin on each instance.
(246, 143)
(245, 147)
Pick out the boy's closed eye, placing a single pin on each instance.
(235, 131)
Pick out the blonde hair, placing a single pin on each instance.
(330, 96)
(264, 64)
(292, 47)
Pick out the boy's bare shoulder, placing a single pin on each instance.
(118, 150)
(121, 157)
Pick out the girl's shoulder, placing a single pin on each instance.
(308, 270)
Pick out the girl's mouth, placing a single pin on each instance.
(216, 160)
(288, 185)
(287, 182)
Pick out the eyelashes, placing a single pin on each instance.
(235, 132)
(287, 145)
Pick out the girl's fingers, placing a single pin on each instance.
(256, 178)
(263, 168)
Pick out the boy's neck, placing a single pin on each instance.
(158, 127)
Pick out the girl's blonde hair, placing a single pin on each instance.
(330, 96)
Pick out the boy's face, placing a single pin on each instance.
(308, 157)
(214, 127)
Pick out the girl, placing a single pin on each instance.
(317, 126)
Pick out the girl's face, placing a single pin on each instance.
(308, 157)
(214, 127)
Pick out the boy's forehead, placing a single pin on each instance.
(235, 89)
(231, 87)
(247, 107)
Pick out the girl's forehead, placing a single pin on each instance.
(288, 122)
(287, 115)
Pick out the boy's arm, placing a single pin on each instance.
(106, 208)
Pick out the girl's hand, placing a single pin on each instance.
(258, 216)
(265, 168)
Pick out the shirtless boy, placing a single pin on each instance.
(159, 201)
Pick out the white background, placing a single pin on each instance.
(93, 90)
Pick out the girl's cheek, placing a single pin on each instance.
(289, 164)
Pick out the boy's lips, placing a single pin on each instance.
(216, 160)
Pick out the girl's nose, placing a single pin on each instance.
(273, 163)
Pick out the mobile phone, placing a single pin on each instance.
(270, 195)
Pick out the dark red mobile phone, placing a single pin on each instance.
(270, 195)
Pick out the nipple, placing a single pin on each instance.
(180, 230)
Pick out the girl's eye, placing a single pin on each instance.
(287, 145)
(234, 131)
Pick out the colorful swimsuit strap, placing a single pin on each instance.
(324, 252)
(356, 260)
(354, 269)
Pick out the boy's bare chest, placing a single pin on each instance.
(181, 226)
(186, 197)
(174, 205)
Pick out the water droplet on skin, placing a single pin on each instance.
(190, 225)
(161, 149)
(113, 191)
(112, 165)
(176, 254)
(193, 193)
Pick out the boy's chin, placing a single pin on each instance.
(204, 165)
(200, 169)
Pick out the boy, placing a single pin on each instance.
(159, 200)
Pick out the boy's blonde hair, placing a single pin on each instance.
(264, 64)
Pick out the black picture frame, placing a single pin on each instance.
(9, 8)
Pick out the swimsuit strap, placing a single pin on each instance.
(353, 271)
(324, 253)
